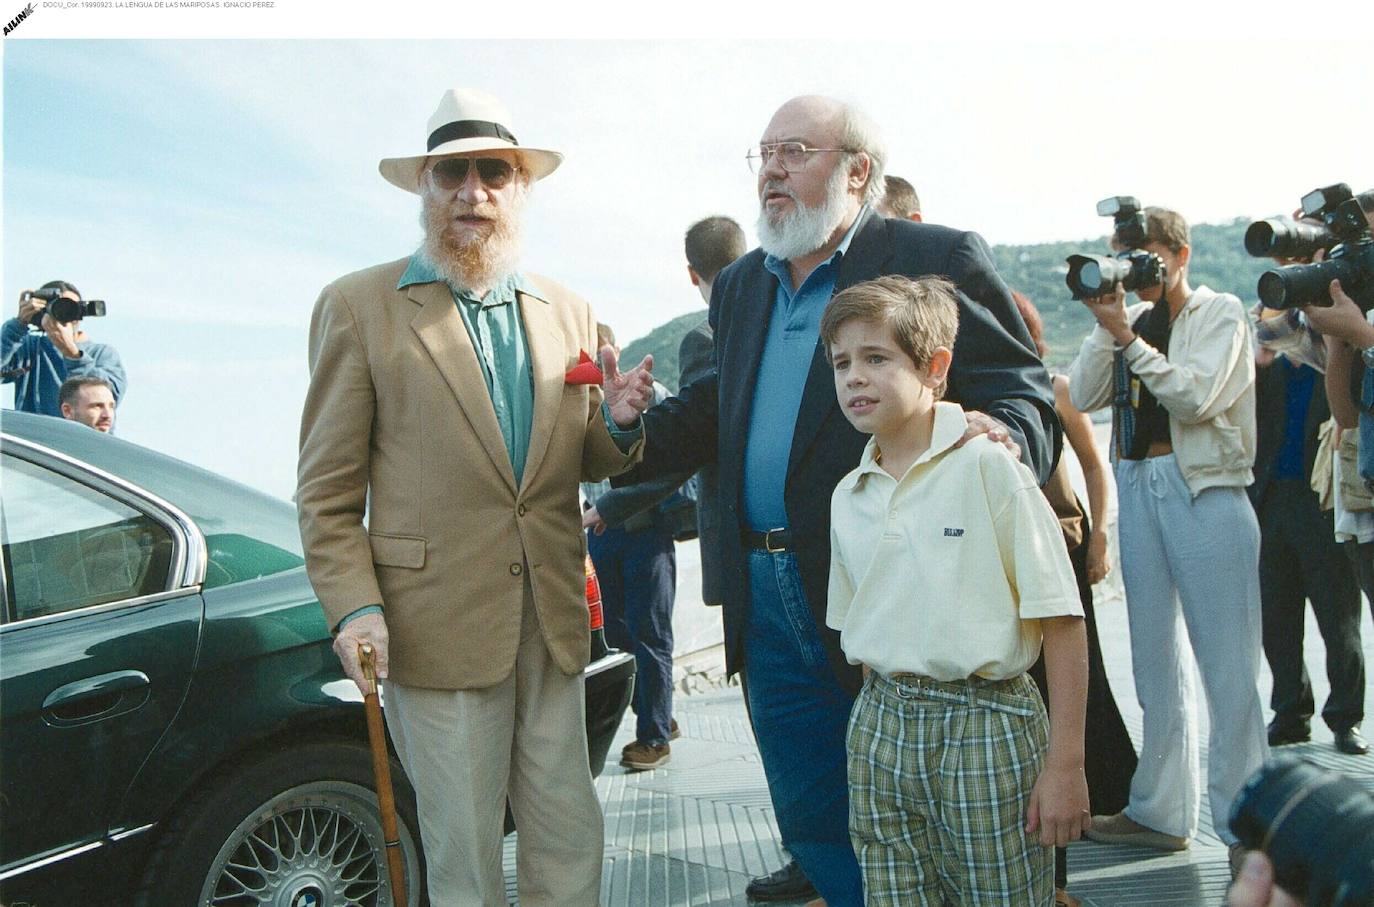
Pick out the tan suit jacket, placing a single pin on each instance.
(399, 426)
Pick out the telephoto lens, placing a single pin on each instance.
(1317, 827)
(1094, 275)
(1283, 237)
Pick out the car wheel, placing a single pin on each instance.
(299, 828)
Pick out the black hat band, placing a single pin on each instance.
(469, 129)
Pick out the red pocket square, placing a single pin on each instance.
(585, 372)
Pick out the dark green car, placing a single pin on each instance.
(174, 726)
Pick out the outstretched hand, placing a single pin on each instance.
(627, 394)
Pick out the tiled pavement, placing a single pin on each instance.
(695, 831)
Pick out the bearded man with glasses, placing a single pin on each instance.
(769, 419)
(441, 406)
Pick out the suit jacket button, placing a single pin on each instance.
(516, 569)
(520, 511)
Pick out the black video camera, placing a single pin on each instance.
(62, 309)
(1345, 235)
(1132, 267)
(1317, 827)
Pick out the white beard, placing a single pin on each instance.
(805, 229)
(479, 262)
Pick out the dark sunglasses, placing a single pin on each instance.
(451, 172)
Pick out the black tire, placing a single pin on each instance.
(301, 820)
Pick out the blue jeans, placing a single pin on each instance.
(638, 576)
(800, 715)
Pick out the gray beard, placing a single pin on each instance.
(805, 229)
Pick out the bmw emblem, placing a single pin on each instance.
(306, 899)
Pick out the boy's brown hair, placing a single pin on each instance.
(922, 313)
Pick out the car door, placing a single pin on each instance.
(102, 618)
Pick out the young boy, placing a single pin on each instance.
(948, 568)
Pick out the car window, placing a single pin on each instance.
(67, 546)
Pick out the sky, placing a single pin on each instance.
(208, 189)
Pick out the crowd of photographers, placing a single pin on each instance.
(55, 367)
(1243, 447)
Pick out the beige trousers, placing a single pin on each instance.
(465, 751)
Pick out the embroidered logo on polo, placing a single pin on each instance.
(952, 532)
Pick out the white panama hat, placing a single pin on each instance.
(467, 121)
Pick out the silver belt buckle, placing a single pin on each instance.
(768, 542)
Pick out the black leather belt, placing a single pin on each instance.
(774, 540)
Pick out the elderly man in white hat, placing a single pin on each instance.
(445, 403)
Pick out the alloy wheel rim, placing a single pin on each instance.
(315, 845)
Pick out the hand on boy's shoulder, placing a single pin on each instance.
(982, 424)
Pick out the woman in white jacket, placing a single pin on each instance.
(1178, 371)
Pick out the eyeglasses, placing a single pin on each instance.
(792, 155)
(451, 172)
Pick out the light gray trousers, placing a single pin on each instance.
(465, 750)
(1191, 571)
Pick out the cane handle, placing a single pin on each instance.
(367, 658)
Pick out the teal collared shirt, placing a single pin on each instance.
(497, 332)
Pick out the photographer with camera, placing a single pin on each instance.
(1178, 372)
(1349, 339)
(45, 346)
(1300, 558)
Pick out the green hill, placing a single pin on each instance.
(1219, 261)
(663, 342)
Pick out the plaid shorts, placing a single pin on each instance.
(940, 776)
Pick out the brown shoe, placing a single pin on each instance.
(1122, 829)
(673, 732)
(1063, 899)
(644, 756)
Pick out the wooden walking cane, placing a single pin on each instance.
(381, 770)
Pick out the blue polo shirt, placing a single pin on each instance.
(793, 331)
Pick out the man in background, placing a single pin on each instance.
(899, 199)
(630, 540)
(711, 244)
(88, 400)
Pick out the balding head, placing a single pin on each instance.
(826, 122)
(819, 162)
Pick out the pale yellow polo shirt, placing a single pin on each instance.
(945, 572)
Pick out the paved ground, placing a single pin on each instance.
(693, 832)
